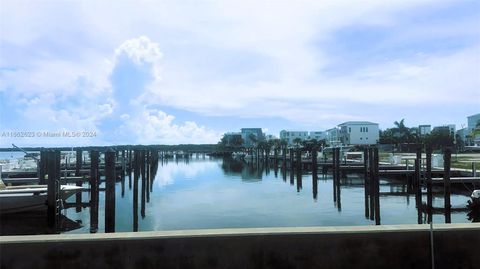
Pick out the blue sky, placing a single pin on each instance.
(168, 72)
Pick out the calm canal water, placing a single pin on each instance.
(217, 193)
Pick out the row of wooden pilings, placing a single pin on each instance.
(142, 162)
(420, 179)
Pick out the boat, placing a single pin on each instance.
(238, 156)
(29, 197)
(475, 198)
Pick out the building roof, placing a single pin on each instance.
(358, 123)
(474, 115)
(294, 131)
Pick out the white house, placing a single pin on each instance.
(359, 133)
(289, 136)
(333, 137)
(317, 135)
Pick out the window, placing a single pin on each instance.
(349, 129)
(366, 129)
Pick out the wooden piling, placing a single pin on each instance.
(42, 167)
(110, 191)
(147, 179)
(79, 183)
(136, 173)
(53, 170)
(337, 177)
(130, 165)
(366, 181)
(446, 179)
(377, 186)
(334, 174)
(143, 188)
(428, 178)
(372, 184)
(418, 185)
(94, 181)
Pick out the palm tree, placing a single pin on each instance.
(297, 141)
(253, 138)
(401, 133)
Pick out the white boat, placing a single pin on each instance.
(30, 197)
(475, 197)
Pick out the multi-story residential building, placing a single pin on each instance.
(473, 134)
(451, 128)
(251, 136)
(290, 136)
(333, 137)
(359, 133)
(424, 130)
(317, 135)
(472, 121)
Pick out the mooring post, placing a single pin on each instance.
(314, 162)
(446, 181)
(110, 191)
(147, 179)
(299, 160)
(371, 160)
(339, 183)
(418, 175)
(136, 173)
(94, 181)
(42, 169)
(334, 174)
(377, 186)
(79, 182)
(338, 167)
(336, 178)
(292, 163)
(124, 164)
(429, 183)
(418, 182)
(53, 170)
(365, 180)
(142, 158)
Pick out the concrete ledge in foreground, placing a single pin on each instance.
(385, 246)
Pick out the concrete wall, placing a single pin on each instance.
(399, 246)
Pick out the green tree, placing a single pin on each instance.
(253, 138)
(297, 141)
(439, 138)
(237, 141)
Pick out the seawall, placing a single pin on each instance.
(385, 246)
